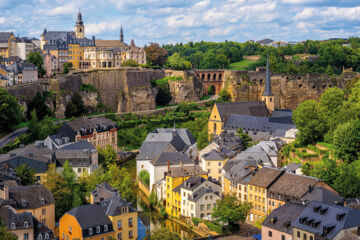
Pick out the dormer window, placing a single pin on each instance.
(70, 229)
(26, 224)
(40, 236)
(98, 229)
(42, 201)
(105, 228)
(13, 226)
(90, 231)
(23, 202)
(46, 236)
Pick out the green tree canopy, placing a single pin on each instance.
(176, 62)
(107, 156)
(245, 139)
(10, 111)
(156, 55)
(162, 234)
(347, 141)
(39, 103)
(26, 174)
(130, 63)
(36, 59)
(76, 107)
(348, 181)
(224, 96)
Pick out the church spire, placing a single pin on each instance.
(121, 35)
(79, 19)
(267, 80)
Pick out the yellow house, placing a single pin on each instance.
(221, 112)
(174, 177)
(258, 190)
(213, 163)
(7, 44)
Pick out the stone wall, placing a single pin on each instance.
(289, 89)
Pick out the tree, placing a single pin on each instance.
(5, 234)
(77, 199)
(245, 139)
(107, 156)
(69, 175)
(145, 177)
(230, 210)
(348, 181)
(176, 62)
(162, 234)
(224, 96)
(10, 111)
(156, 55)
(26, 174)
(329, 70)
(39, 130)
(326, 170)
(36, 59)
(310, 121)
(347, 141)
(38, 103)
(66, 67)
(76, 107)
(130, 63)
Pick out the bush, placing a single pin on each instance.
(87, 88)
(305, 154)
(214, 227)
(130, 63)
(145, 177)
(196, 221)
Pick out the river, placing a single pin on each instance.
(150, 219)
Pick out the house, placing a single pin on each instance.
(213, 162)
(35, 199)
(164, 147)
(198, 196)
(278, 225)
(7, 44)
(33, 155)
(102, 192)
(24, 225)
(111, 218)
(99, 131)
(322, 194)
(258, 187)
(173, 178)
(294, 168)
(292, 187)
(326, 221)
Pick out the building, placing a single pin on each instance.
(102, 192)
(163, 147)
(18, 73)
(24, 46)
(68, 46)
(213, 162)
(34, 156)
(24, 225)
(173, 178)
(111, 218)
(198, 196)
(34, 199)
(98, 130)
(278, 225)
(7, 44)
(327, 221)
(322, 194)
(258, 187)
(50, 63)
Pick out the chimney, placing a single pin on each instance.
(168, 166)
(5, 194)
(181, 164)
(309, 188)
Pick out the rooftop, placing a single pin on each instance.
(254, 108)
(30, 197)
(186, 171)
(265, 177)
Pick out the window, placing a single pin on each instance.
(13, 226)
(119, 224)
(312, 238)
(43, 221)
(124, 210)
(298, 234)
(282, 237)
(70, 229)
(304, 236)
(105, 228)
(130, 234)
(42, 201)
(23, 203)
(26, 224)
(219, 171)
(119, 236)
(130, 222)
(208, 207)
(79, 170)
(26, 236)
(98, 229)
(270, 233)
(46, 236)
(219, 164)
(202, 207)
(208, 163)
(43, 211)
(214, 205)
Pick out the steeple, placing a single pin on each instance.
(267, 96)
(121, 35)
(267, 80)
(79, 19)
(79, 26)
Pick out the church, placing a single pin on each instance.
(258, 119)
(87, 53)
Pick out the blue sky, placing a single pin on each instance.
(170, 21)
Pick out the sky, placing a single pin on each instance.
(174, 21)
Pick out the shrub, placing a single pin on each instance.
(145, 177)
(196, 221)
(214, 227)
(87, 88)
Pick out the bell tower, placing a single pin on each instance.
(79, 27)
(267, 96)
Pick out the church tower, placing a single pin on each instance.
(79, 27)
(267, 96)
(121, 35)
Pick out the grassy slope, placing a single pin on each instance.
(242, 65)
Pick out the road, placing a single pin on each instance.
(12, 136)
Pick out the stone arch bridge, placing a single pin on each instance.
(211, 78)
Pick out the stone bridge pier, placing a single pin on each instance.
(211, 79)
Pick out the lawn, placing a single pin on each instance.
(242, 65)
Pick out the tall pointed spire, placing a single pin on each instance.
(267, 80)
(79, 19)
(121, 34)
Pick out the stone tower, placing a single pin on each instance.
(79, 27)
(267, 96)
(121, 35)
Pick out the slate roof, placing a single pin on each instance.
(229, 141)
(265, 177)
(30, 197)
(184, 134)
(9, 216)
(330, 217)
(152, 150)
(110, 44)
(91, 215)
(186, 171)
(41, 229)
(4, 36)
(254, 108)
(63, 37)
(175, 158)
(200, 192)
(103, 191)
(291, 186)
(241, 171)
(214, 155)
(90, 123)
(79, 145)
(281, 218)
(321, 194)
(115, 204)
(292, 167)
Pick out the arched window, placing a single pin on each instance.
(26, 224)
(214, 128)
(98, 229)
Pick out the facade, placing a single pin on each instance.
(212, 163)
(99, 131)
(24, 46)
(278, 225)
(18, 73)
(174, 177)
(7, 44)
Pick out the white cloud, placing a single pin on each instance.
(68, 8)
(2, 20)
